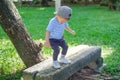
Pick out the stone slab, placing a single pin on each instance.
(80, 55)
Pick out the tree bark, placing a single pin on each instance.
(12, 24)
(20, 3)
(57, 4)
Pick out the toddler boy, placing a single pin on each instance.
(54, 35)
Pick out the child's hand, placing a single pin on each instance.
(73, 32)
(47, 44)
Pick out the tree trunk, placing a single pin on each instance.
(12, 24)
(57, 4)
(44, 3)
(20, 3)
(86, 2)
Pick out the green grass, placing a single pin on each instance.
(94, 25)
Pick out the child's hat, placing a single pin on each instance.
(64, 11)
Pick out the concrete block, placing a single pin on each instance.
(80, 55)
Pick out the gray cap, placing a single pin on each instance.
(64, 11)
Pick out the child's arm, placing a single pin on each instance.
(70, 30)
(47, 43)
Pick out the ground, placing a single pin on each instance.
(89, 74)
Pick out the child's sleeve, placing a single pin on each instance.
(50, 27)
(66, 25)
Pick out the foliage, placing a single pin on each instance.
(112, 4)
(94, 25)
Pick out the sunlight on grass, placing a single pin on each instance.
(22, 12)
(106, 51)
(10, 62)
(41, 8)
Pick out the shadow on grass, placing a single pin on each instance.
(15, 76)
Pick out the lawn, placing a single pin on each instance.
(94, 25)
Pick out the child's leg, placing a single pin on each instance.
(64, 47)
(55, 47)
(56, 52)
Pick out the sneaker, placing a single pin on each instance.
(64, 60)
(56, 64)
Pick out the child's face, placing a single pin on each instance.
(64, 20)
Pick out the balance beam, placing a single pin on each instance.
(81, 56)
